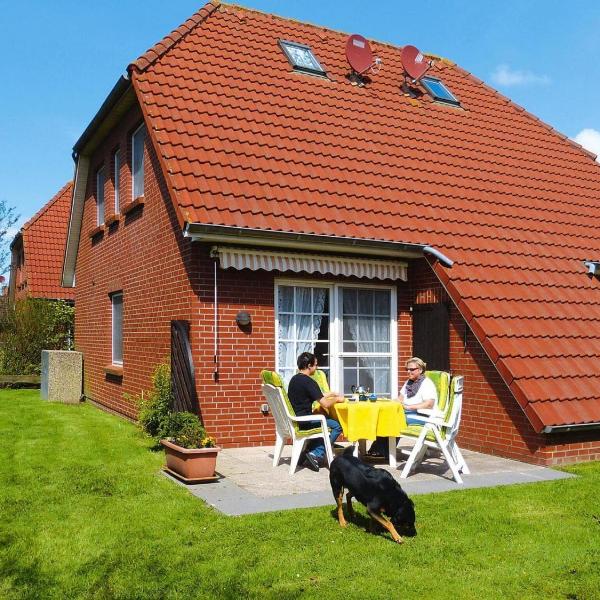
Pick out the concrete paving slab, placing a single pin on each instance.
(249, 484)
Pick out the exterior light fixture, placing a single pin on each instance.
(243, 318)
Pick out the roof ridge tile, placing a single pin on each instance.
(155, 52)
(47, 206)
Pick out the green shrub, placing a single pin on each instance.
(155, 406)
(185, 430)
(158, 420)
(33, 325)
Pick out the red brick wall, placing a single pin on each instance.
(235, 416)
(492, 420)
(145, 256)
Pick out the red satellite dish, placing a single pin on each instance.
(358, 53)
(414, 62)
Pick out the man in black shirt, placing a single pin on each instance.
(305, 394)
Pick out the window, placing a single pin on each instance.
(117, 328)
(301, 57)
(117, 183)
(366, 351)
(137, 161)
(350, 328)
(100, 196)
(303, 326)
(438, 90)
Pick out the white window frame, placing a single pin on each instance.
(133, 177)
(116, 360)
(100, 186)
(117, 180)
(336, 353)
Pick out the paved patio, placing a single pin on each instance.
(249, 484)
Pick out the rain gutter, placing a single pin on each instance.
(573, 427)
(199, 232)
(91, 131)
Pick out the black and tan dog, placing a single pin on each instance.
(386, 501)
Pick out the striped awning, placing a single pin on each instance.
(248, 258)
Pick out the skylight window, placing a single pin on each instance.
(301, 57)
(439, 91)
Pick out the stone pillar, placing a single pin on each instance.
(62, 376)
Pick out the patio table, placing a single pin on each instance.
(362, 421)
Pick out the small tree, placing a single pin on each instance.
(8, 218)
(33, 325)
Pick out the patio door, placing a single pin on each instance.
(350, 328)
(365, 349)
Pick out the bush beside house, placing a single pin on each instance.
(33, 325)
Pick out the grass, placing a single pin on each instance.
(85, 513)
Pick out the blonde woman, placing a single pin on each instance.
(417, 392)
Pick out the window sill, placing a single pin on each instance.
(139, 201)
(114, 370)
(114, 218)
(97, 231)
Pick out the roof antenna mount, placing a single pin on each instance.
(415, 66)
(360, 58)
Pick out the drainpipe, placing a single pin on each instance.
(447, 262)
(215, 257)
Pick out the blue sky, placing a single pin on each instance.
(60, 59)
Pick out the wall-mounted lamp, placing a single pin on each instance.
(243, 318)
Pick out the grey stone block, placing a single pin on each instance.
(62, 373)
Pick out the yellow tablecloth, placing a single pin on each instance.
(367, 420)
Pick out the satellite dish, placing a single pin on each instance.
(414, 63)
(359, 54)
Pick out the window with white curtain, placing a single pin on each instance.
(350, 328)
(302, 326)
(137, 161)
(366, 351)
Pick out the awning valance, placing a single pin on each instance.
(248, 258)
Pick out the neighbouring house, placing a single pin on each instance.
(37, 252)
(242, 180)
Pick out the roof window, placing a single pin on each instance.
(301, 57)
(438, 91)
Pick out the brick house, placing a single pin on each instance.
(37, 252)
(239, 167)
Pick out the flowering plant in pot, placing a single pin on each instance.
(190, 452)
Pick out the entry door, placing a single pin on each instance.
(431, 335)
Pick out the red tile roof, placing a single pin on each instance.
(245, 141)
(44, 239)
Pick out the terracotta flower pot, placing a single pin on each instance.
(191, 463)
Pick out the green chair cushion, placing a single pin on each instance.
(441, 380)
(272, 378)
(415, 431)
(275, 379)
(321, 379)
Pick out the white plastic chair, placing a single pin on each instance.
(286, 422)
(439, 430)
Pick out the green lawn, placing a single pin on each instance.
(85, 513)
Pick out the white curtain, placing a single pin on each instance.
(298, 331)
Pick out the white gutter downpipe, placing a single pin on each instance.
(215, 257)
(447, 262)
